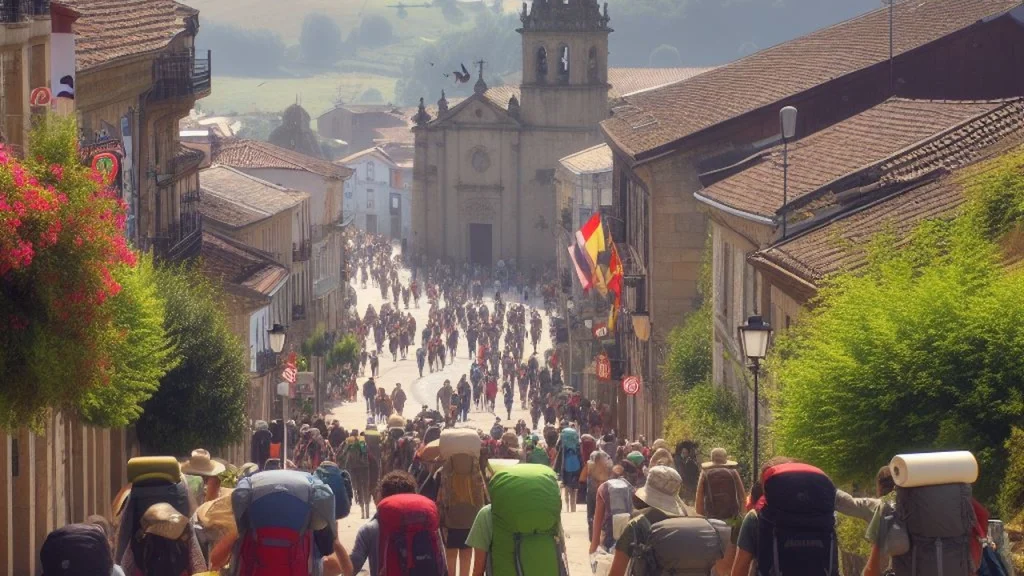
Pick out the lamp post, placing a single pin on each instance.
(754, 338)
(787, 118)
(276, 335)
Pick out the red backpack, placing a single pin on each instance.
(410, 537)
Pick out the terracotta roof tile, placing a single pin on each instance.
(849, 146)
(111, 29)
(590, 161)
(626, 81)
(241, 153)
(659, 117)
(241, 266)
(237, 200)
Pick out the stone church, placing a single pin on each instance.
(483, 183)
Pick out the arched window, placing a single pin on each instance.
(542, 65)
(593, 73)
(369, 171)
(563, 64)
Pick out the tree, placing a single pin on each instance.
(371, 96)
(201, 401)
(374, 31)
(923, 349)
(344, 353)
(320, 43)
(242, 51)
(63, 255)
(138, 360)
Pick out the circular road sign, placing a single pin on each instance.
(631, 385)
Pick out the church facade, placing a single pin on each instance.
(484, 171)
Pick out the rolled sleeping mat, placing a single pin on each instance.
(934, 468)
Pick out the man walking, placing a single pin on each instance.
(370, 394)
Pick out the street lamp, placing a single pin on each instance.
(754, 338)
(787, 118)
(277, 334)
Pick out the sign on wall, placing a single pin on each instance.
(631, 385)
(603, 367)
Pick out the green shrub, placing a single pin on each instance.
(1011, 494)
(711, 416)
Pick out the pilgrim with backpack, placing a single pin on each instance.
(281, 515)
(570, 463)
(796, 522)
(340, 483)
(154, 480)
(409, 541)
(462, 492)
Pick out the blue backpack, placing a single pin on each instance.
(571, 451)
(340, 483)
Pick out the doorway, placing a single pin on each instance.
(480, 244)
(396, 216)
(371, 223)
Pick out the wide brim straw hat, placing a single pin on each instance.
(165, 521)
(218, 514)
(201, 464)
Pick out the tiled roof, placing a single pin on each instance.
(242, 153)
(111, 29)
(844, 148)
(241, 266)
(590, 161)
(396, 135)
(842, 244)
(237, 200)
(660, 117)
(377, 151)
(624, 81)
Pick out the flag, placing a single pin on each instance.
(578, 262)
(615, 279)
(591, 239)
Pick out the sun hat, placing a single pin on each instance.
(201, 464)
(218, 514)
(661, 457)
(659, 443)
(719, 458)
(262, 425)
(164, 521)
(661, 491)
(248, 469)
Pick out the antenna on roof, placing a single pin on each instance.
(892, 84)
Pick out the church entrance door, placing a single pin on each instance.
(480, 244)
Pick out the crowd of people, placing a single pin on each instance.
(440, 498)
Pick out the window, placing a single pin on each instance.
(369, 171)
(542, 65)
(593, 73)
(585, 213)
(563, 64)
(371, 200)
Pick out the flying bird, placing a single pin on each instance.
(461, 77)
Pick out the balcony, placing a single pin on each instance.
(325, 286)
(266, 361)
(181, 76)
(15, 11)
(298, 312)
(321, 231)
(302, 251)
(181, 242)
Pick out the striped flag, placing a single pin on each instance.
(579, 262)
(592, 241)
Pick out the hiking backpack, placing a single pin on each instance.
(681, 546)
(463, 491)
(154, 480)
(497, 431)
(939, 520)
(274, 512)
(571, 461)
(796, 523)
(310, 456)
(340, 483)
(538, 456)
(410, 541)
(76, 549)
(618, 501)
(720, 500)
(526, 511)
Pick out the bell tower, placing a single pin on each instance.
(565, 63)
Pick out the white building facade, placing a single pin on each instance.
(378, 195)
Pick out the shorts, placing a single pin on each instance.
(571, 479)
(455, 538)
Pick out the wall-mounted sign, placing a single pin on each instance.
(631, 385)
(603, 367)
(39, 97)
(108, 164)
(600, 330)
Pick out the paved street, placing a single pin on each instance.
(424, 391)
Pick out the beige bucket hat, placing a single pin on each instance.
(164, 521)
(661, 491)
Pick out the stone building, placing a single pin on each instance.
(670, 142)
(483, 182)
(138, 75)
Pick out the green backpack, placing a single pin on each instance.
(526, 508)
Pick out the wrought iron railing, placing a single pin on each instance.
(266, 361)
(13, 11)
(181, 242)
(181, 76)
(40, 7)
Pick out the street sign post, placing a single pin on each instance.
(603, 367)
(631, 385)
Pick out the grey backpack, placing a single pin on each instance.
(681, 546)
(939, 520)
